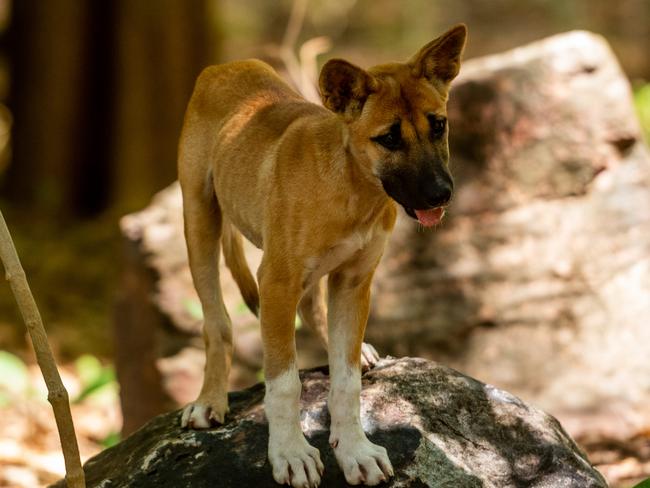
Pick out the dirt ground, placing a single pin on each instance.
(30, 452)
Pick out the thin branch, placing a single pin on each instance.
(57, 394)
(308, 53)
(294, 25)
(302, 72)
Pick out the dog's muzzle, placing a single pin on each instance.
(424, 198)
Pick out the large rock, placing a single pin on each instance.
(538, 280)
(441, 429)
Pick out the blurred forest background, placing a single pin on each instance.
(92, 96)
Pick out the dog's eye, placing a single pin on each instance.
(391, 140)
(438, 126)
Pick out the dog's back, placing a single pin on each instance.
(239, 114)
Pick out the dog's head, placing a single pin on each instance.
(397, 123)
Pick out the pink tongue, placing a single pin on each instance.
(430, 217)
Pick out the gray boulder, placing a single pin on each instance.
(538, 279)
(441, 429)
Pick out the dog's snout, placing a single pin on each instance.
(419, 191)
(439, 196)
(438, 191)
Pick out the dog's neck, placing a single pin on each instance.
(375, 199)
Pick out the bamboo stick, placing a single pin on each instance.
(57, 394)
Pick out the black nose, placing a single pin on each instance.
(438, 192)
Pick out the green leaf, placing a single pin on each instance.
(193, 307)
(94, 377)
(105, 379)
(88, 368)
(642, 103)
(644, 484)
(241, 309)
(14, 376)
(260, 376)
(110, 440)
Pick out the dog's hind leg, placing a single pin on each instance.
(369, 356)
(312, 310)
(203, 226)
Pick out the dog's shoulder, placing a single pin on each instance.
(245, 77)
(226, 89)
(235, 69)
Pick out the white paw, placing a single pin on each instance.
(369, 356)
(361, 461)
(203, 415)
(296, 463)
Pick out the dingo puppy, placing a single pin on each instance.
(315, 188)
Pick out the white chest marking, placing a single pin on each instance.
(318, 266)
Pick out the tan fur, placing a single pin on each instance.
(233, 252)
(303, 183)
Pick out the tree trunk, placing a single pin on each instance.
(49, 43)
(162, 46)
(98, 95)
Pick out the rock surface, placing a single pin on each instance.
(441, 429)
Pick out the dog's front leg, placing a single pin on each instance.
(292, 459)
(313, 313)
(361, 460)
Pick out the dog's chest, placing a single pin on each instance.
(343, 251)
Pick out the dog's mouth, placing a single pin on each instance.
(428, 217)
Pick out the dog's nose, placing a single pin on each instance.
(438, 193)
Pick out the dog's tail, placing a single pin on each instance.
(233, 252)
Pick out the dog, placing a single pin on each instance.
(316, 188)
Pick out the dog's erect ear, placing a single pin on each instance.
(345, 87)
(439, 61)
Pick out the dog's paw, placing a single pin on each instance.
(369, 357)
(361, 461)
(296, 463)
(202, 414)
